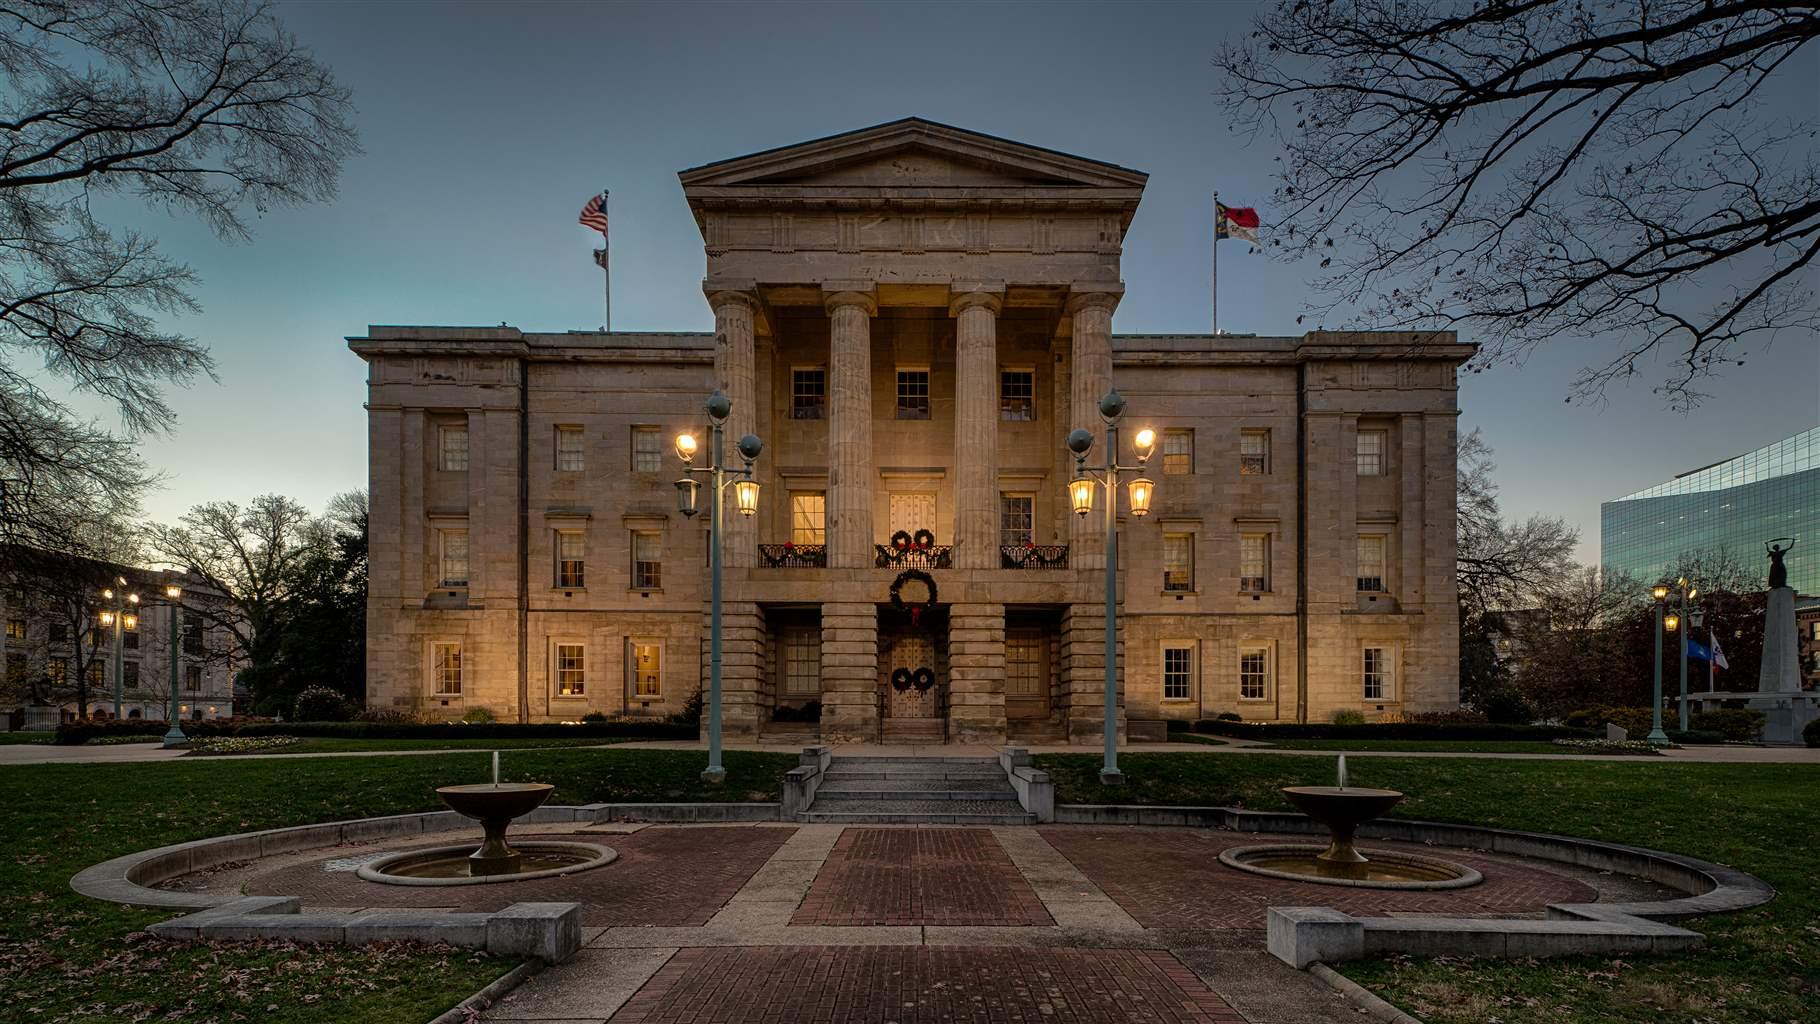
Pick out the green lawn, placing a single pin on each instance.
(25, 737)
(1757, 967)
(66, 959)
(1423, 746)
(329, 745)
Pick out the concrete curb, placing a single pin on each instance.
(470, 1009)
(1369, 1003)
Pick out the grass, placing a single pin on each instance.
(25, 737)
(69, 959)
(330, 745)
(1758, 967)
(1425, 746)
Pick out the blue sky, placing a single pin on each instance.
(486, 126)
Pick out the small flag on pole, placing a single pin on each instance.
(1235, 222)
(1719, 655)
(594, 215)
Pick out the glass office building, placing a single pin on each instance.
(1735, 505)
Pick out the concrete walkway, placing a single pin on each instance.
(40, 753)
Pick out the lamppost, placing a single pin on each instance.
(1669, 617)
(745, 496)
(1080, 495)
(1660, 593)
(120, 616)
(174, 737)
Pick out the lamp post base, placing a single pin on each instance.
(1657, 736)
(1111, 777)
(714, 776)
(175, 738)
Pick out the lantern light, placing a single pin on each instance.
(685, 448)
(107, 593)
(131, 622)
(1671, 622)
(1145, 443)
(745, 495)
(1080, 494)
(1140, 490)
(1691, 592)
(686, 489)
(107, 618)
(132, 599)
(173, 592)
(1659, 591)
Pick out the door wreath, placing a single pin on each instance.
(915, 606)
(923, 678)
(901, 680)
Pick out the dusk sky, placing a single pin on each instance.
(486, 126)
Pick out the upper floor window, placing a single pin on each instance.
(1016, 519)
(647, 560)
(445, 669)
(808, 518)
(1254, 673)
(912, 394)
(1371, 453)
(454, 556)
(1380, 674)
(130, 632)
(1254, 563)
(571, 566)
(132, 674)
(1178, 671)
(1017, 394)
(1254, 452)
(647, 450)
(192, 635)
(15, 668)
(452, 447)
(808, 393)
(1178, 562)
(571, 670)
(1178, 452)
(1371, 562)
(58, 670)
(192, 678)
(59, 632)
(15, 629)
(569, 449)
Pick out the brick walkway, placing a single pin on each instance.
(883, 876)
(905, 984)
(1172, 878)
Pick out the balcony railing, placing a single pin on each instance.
(1033, 556)
(931, 556)
(793, 556)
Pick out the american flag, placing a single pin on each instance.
(594, 215)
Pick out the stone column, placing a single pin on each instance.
(976, 673)
(1091, 360)
(976, 431)
(745, 704)
(734, 371)
(849, 672)
(850, 474)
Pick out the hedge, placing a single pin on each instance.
(71, 733)
(1389, 731)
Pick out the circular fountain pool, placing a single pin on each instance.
(452, 865)
(1383, 870)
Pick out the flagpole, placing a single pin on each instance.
(1215, 282)
(1712, 658)
(606, 269)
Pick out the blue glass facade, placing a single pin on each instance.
(1735, 505)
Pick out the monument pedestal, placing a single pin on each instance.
(1786, 707)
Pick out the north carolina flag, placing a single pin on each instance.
(1235, 222)
(1699, 652)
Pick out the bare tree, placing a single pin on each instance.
(1502, 565)
(203, 107)
(1546, 169)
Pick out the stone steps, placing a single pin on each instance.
(903, 790)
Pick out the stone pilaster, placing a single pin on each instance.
(1091, 359)
(1083, 673)
(734, 364)
(976, 673)
(850, 474)
(849, 672)
(976, 434)
(745, 706)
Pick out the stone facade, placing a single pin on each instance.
(912, 317)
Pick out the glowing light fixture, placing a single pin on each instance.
(685, 448)
(1140, 491)
(1671, 622)
(1080, 494)
(107, 618)
(1145, 443)
(745, 495)
(173, 592)
(1659, 591)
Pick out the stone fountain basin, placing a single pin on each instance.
(1348, 805)
(504, 800)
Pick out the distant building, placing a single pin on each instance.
(1807, 625)
(51, 606)
(1733, 505)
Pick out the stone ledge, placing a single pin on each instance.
(550, 932)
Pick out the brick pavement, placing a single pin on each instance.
(906, 984)
(908, 876)
(664, 876)
(1172, 878)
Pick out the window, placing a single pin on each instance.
(808, 518)
(94, 673)
(1254, 673)
(571, 569)
(647, 668)
(1379, 681)
(1254, 563)
(912, 394)
(1017, 394)
(132, 674)
(803, 662)
(647, 450)
(647, 560)
(569, 457)
(192, 678)
(1016, 519)
(453, 544)
(1371, 453)
(59, 633)
(571, 670)
(15, 629)
(1024, 667)
(192, 636)
(1178, 562)
(452, 447)
(15, 668)
(57, 670)
(1254, 452)
(129, 633)
(1371, 563)
(808, 393)
(445, 669)
(1178, 452)
(1178, 672)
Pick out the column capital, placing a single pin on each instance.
(836, 298)
(973, 296)
(720, 294)
(1095, 295)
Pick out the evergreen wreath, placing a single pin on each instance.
(901, 679)
(923, 678)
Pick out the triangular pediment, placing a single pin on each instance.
(912, 154)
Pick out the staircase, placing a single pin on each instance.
(916, 790)
(914, 731)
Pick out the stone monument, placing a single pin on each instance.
(1786, 707)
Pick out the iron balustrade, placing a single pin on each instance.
(1033, 556)
(929, 556)
(794, 556)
